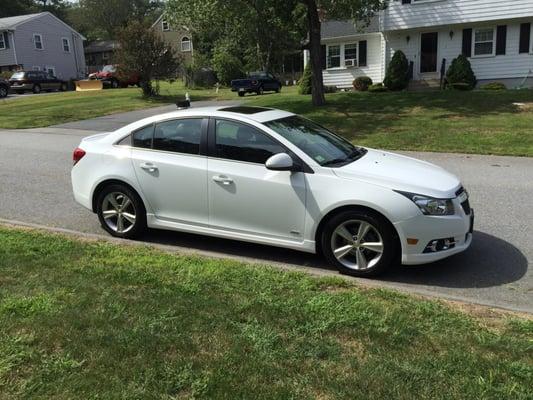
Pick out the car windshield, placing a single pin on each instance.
(108, 68)
(323, 146)
(17, 75)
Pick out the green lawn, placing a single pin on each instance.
(481, 122)
(86, 320)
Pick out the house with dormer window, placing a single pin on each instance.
(496, 36)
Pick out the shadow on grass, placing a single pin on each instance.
(490, 261)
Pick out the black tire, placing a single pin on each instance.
(138, 227)
(260, 91)
(380, 226)
(278, 89)
(63, 87)
(4, 91)
(114, 84)
(241, 94)
(36, 89)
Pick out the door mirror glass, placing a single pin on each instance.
(280, 162)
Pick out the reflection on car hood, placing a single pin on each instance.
(401, 173)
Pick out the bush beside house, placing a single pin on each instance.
(362, 83)
(304, 85)
(397, 76)
(460, 75)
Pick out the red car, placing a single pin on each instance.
(109, 77)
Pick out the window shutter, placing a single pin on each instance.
(323, 57)
(406, 1)
(6, 40)
(362, 53)
(501, 40)
(467, 42)
(525, 37)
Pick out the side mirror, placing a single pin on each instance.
(281, 162)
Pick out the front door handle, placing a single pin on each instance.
(223, 179)
(148, 167)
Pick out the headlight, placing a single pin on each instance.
(429, 205)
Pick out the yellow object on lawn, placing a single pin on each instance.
(91, 84)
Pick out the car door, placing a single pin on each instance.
(171, 170)
(246, 197)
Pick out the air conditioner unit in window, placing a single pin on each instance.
(350, 63)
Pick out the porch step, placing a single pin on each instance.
(424, 84)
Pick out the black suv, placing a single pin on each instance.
(36, 81)
(4, 88)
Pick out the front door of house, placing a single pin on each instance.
(428, 52)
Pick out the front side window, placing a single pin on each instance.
(143, 137)
(66, 45)
(236, 141)
(326, 148)
(334, 56)
(179, 136)
(38, 41)
(185, 44)
(484, 42)
(350, 54)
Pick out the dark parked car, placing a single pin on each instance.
(35, 81)
(257, 82)
(4, 88)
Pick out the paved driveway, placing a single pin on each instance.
(35, 188)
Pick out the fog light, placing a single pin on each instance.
(437, 245)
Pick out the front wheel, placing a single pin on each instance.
(121, 212)
(359, 243)
(3, 91)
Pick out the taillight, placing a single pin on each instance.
(77, 155)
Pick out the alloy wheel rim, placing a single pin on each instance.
(3, 92)
(357, 245)
(119, 212)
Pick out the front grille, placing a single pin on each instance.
(466, 207)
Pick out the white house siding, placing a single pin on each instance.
(67, 64)
(7, 56)
(429, 13)
(512, 65)
(343, 77)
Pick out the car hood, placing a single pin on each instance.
(403, 173)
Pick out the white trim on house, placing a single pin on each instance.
(186, 44)
(40, 41)
(67, 44)
(475, 31)
(165, 26)
(2, 41)
(49, 68)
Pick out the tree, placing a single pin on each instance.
(142, 51)
(397, 76)
(9, 8)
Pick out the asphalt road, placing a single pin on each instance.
(35, 188)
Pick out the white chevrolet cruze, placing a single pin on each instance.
(272, 177)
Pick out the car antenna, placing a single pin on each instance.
(184, 104)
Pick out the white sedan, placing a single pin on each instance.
(272, 177)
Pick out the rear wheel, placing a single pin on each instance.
(114, 84)
(36, 89)
(121, 211)
(260, 91)
(63, 87)
(359, 243)
(241, 94)
(278, 89)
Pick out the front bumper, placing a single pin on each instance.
(428, 228)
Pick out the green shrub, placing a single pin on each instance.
(362, 83)
(305, 85)
(460, 75)
(377, 88)
(494, 86)
(397, 76)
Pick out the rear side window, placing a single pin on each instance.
(143, 137)
(179, 136)
(241, 142)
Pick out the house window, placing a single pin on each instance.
(36, 68)
(350, 55)
(2, 41)
(484, 42)
(334, 56)
(165, 25)
(185, 44)
(38, 41)
(50, 70)
(66, 45)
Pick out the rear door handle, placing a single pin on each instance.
(148, 167)
(223, 179)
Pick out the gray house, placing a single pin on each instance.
(41, 42)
